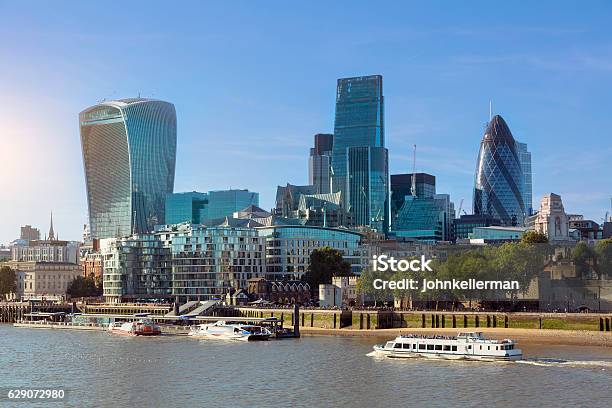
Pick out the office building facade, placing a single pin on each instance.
(288, 248)
(499, 180)
(319, 163)
(191, 207)
(427, 219)
(525, 160)
(129, 154)
(465, 225)
(29, 233)
(359, 158)
(402, 185)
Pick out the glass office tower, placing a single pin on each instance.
(499, 181)
(191, 207)
(319, 163)
(525, 159)
(358, 147)
(129, 154)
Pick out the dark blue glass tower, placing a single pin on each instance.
(359, 158)
(129, 154)
(499, 181)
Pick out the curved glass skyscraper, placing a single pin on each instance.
(129, 154)
(499, 181)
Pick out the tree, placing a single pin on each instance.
(324, 263)
(83, 287)
(534, 237)
(603, 252)
(584, 258)
(8, 281)
(365, 285)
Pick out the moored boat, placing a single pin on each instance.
(464, 346)
(143, 327)
(227, 331)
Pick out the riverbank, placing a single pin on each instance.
(526, 336)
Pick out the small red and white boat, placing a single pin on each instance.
(143, 327)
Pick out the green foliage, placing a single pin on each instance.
(324, 263)
(365, 285)
(583, 257)
(533, 237)
(84, 287)
(603, 252)
(8, 281)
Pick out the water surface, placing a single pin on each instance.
(102, 370)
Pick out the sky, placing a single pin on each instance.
(252, 83)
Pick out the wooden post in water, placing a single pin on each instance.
(464, 321)
(296, 323)
(476, 321)
(454, 322)
(601, 324)
(443, 321)
(423, 321)
(494, 320)
(488, 321)
(506, 321)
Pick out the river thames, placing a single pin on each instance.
(97, 369)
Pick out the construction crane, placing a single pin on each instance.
(460, 207)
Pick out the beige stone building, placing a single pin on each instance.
(36, 280)
(551, 219)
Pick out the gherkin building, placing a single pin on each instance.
(499, 181)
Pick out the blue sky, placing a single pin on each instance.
(252, 83)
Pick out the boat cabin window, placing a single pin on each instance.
(454, 348)
(447, 348)
(414, 346)
(397, 345)
(488, 347)
(469, 347)
(389, 344)
(406, 346)
(430, 347)
(438, 347)
(421, 347)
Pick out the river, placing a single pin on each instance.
(98, 369)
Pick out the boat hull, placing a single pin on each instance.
(382, 352)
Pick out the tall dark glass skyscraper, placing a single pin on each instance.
(499, 181)
(319, 163)
(359, 157)
(129, 154)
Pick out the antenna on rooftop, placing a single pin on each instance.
(413, 187)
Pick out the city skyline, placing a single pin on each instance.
(552, 94)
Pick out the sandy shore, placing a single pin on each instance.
(527, 336)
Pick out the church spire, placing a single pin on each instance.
(51, 236)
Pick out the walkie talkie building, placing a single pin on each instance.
(499, 183)
(129, 154)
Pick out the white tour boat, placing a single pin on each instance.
(464, 346)
(143, 327)
(223, 330)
